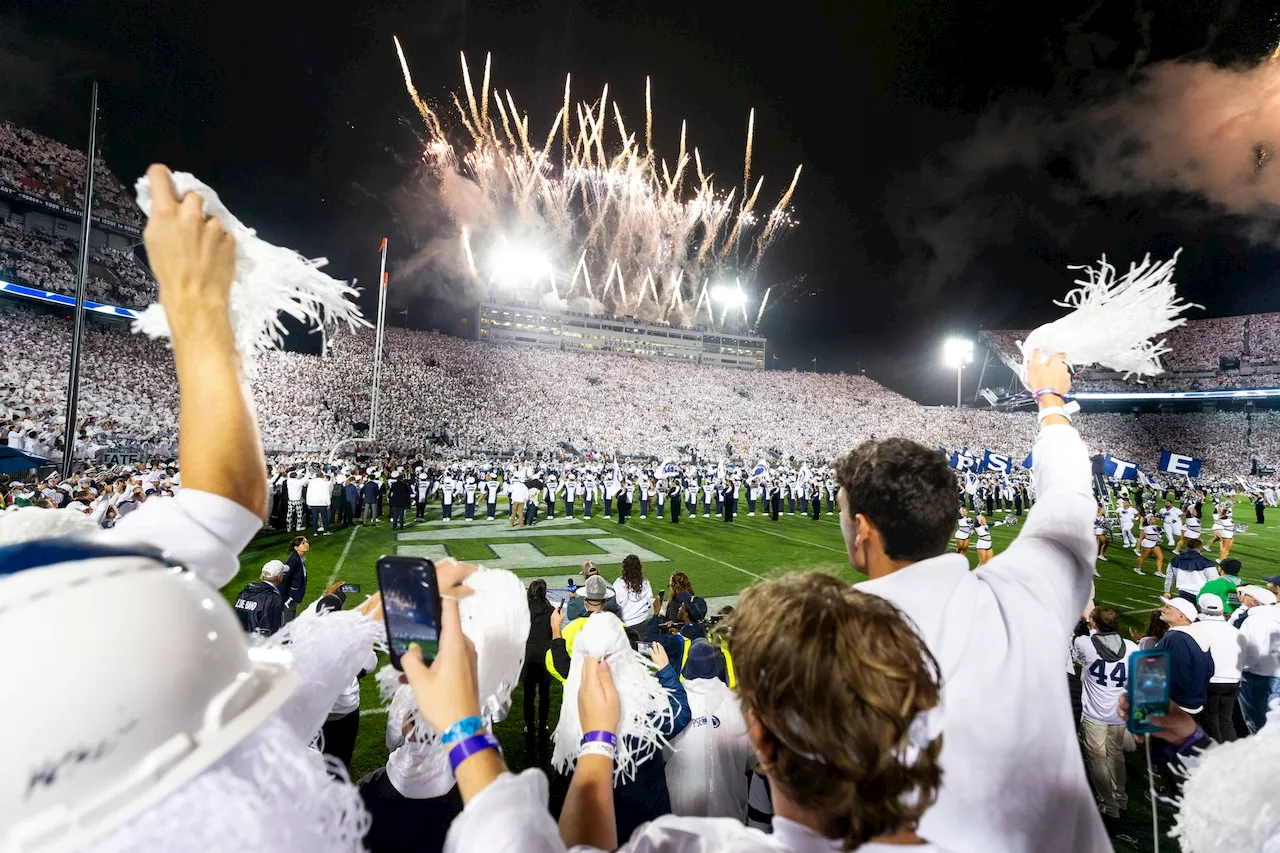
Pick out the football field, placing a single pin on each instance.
(719, 558)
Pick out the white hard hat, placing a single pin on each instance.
(156, 683)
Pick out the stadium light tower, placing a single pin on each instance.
(957, 352)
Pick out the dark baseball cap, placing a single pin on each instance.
(1231, 566)
(697, 608)
(1274, 580)
(703, 661)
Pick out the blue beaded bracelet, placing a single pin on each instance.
(469, 747)
(464, 728)
(600, 736)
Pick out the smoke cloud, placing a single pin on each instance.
(1200, 137)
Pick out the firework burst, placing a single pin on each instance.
(592, 218)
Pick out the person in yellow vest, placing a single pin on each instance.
(594, 593)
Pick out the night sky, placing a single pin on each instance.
(954, 161)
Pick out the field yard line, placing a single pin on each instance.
(794, 539)
(342, 558)
(636, 529)
(370, 712)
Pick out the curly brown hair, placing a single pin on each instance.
(680, 582)
(633, 573)
(836, 677)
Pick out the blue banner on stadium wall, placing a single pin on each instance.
(1176, 463)
(1119, 468)
(1027, 463)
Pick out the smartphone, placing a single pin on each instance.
(349, 588)
(410, 605)
(644, 648)
(1148, 689)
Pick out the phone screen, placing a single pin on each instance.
(350, 588)
(1148, 689)
(410, 605)
(644, 648)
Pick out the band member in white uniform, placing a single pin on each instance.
(963, 531)
(1150, 542)
(491, 496)
(1172, 523)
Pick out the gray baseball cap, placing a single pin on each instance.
(595, 589)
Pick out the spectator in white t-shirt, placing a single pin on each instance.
(634, 594)
(318, 494)
(1104, 670)
(1227, 648)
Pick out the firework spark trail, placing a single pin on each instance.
(604, 202)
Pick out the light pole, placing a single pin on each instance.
(957, 352)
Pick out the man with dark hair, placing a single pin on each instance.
(996, 632)
(1225, 586)
(1103, 657)
(1189, 572)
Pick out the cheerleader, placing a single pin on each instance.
(1190, 530)
(963, 531)
(1228, 533)
(1150, 542)
(984, 540)
(1100, 531)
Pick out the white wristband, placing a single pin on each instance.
(1065, 411)
(608, 750)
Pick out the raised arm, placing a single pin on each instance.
(1053, 556)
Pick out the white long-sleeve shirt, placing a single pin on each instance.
(1260, 634)
(998, 634)
(511, 815)
(1226, 645)
(203, 531)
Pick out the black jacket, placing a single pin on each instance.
(539, 641)
(293, 587)
(1190, 668)
(400, 494)
(260, 608)
(402, 825)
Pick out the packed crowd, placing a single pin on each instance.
(877, 714)
(46, 168)
(47, 262)
(500, 399)
(1195, 348)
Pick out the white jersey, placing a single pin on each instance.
(1228, 527)
(1191, 528)
(984, 537)
(1099, 525)
(707, 763)
(491, 491)
(965, 527)
(1172, 516)
(1102, 682)
(294, 486)
(1127, 516)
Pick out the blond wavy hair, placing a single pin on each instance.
(837, 678)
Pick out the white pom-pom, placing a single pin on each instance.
(269, 280)
(645, 703)
(1115, 319)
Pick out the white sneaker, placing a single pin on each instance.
(1139, 572)
(751, 513)
(1103, 558)
(644, 516)
(1136, 551)
(1096, 573)
(1159, 574)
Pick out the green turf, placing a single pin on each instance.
(720, 559)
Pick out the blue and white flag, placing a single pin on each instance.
(997, 463)
(669, 469)
(1119, 468)
(1026, 463)
(962, 461)
(1176, 463)
(760, 470)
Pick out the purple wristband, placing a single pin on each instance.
(1044, 391)
(1194, 740)
(469, 747)
(601, 737)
